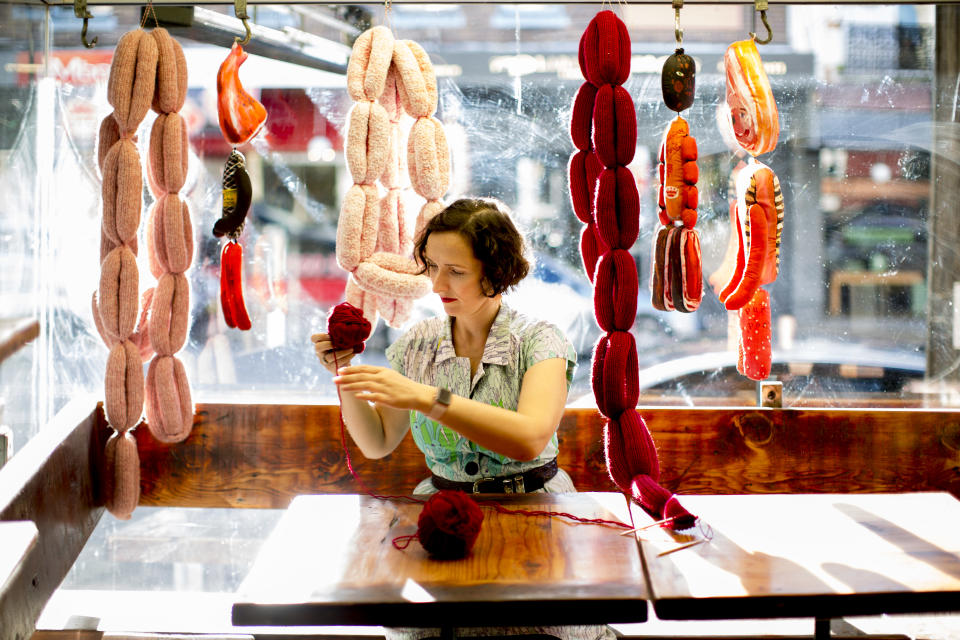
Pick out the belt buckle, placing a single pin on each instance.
(476, 483)
(510, 485)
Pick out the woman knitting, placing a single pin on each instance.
(483, 389)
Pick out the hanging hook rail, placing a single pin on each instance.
(80, 10)
(761, 6)
(240, 8)
(677, 31)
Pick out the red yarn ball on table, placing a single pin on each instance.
(449, 524)
(347, 327)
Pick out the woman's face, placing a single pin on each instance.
(456, 274)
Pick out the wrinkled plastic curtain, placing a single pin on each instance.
(49, 229)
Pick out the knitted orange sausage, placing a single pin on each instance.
(677, 197)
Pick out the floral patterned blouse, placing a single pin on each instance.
(516, 342)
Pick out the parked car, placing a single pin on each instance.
(825, 371)
(651, 325)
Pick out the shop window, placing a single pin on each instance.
(854, 163)
(851, 325)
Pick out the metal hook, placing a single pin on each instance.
(80, 11)
(761, 6)
(240, 8)
(763, 17)
(677, 31)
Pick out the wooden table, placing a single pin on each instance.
(840, 279)
(331, 561)
(822, 556)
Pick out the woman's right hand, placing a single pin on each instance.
(330, 358)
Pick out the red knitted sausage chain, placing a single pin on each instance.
(455, 514)
(604, 195)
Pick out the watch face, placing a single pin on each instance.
(443, 396)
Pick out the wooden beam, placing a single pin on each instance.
(943, 263)
(264, 455)
(51, 482)
(18, 337)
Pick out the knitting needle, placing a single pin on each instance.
(648, 526)
(681, 547)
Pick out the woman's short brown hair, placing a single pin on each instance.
(486, 225)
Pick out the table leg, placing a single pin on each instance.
(821, 629)
(449, 633)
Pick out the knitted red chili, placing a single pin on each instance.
(231, 287)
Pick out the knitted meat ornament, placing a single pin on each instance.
(241, 118)
(387, 78)
(676, 281)
(148, 69)
(604, 195)
(756, 216)
(168, 398)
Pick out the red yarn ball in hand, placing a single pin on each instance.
(449, 524)
(347, 327)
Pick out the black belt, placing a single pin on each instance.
(530, 480)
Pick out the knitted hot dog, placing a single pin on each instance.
(760, 224)
(753, 110)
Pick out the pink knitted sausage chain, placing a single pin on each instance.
(387, 78)
(115, 304)
(169, 405)
(148, 69)
(604, 196)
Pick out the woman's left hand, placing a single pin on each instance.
(384, 386)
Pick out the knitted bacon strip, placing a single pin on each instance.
(759, 228)
(241, 116)
(130, 91)
(168, 400)
(387, 78)
(603, 128)
(753, 110)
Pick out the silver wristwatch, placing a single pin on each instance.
(441, 402)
